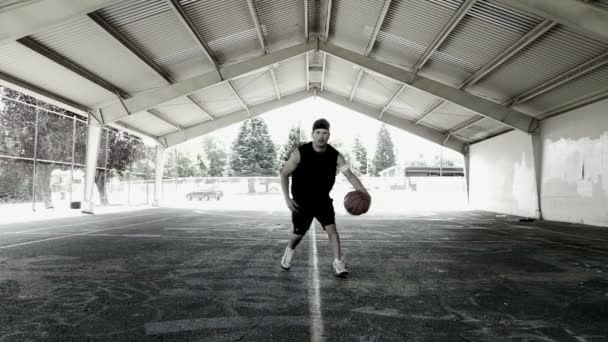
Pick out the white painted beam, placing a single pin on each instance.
(192, 30)
(258, 26)
(323, 72)
(93, 138)
(445, 32)
(275, 82)
(238, 97)
(158, 175)
(306, 19)
(390, 101)
(573, 13)
(474, 103)
(26, 18)
(327, 20)
(356, 84)
(379, 22)
(395, 121)
(232, 118)
(152, 98)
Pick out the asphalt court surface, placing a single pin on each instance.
(190, 275)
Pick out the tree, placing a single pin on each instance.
(216, 157)
(385, 154)
(360, 160)
(184, 165)
(295, 138)
(340, 147)
(253, 152)
(203, 171)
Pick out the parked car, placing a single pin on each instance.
(205, 194)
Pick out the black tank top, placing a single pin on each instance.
(315, 175)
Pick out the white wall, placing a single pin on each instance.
(502, 175)
(575, 166)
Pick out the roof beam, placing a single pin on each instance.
(30, 17)
(238, 97)
(577, 14)
(520, 44)
(64, 62)
(152, 98)
(372, 40)
(466, 124)
(327, 21)
(192, 30)
(429, 111)
(275, 82)
(307, 72)
(445, 32)
(50, 97)
(142, 56)
(323, 72)
(258, 26)
(598, 96)
(474, 103)
(395, 121)
(232, 118)
(582, 69)
(393, 98)
(306, 19)
(356, 85)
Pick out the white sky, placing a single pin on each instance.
(345, 126)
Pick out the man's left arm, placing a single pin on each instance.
(352, 178)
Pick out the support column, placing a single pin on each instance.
(467, 168)
(538, 169)
(93, 137)
(158, 175)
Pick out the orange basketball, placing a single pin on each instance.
(357, 203)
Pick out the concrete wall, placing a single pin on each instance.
(574, 175)
(502, 175)
(575, 166)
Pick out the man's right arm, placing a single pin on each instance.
(288, 169)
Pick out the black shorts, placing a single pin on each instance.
(323, 211)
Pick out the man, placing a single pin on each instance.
(313, 167)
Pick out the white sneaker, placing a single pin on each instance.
(286, 261)
(340, 268)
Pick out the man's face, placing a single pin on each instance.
(320, 136)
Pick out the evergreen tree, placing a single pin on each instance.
(385, 154)
(216, 157)
(184, 165)
(360, 160)
(203, 171)
(294, 140)
(253, 152)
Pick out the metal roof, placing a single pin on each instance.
(176, 69)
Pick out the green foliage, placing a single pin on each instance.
(385, 152)
(360, 161)
(295, 138)
(216, 157)
(253, 152)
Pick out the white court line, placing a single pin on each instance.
(81, 234)
(76, 224)
(314, 301)
(168, 237)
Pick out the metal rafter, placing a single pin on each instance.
(327, 20)
(307, 72)
(582, 69)
(82, 72)
(30, 17)
(238, 97)
(193, 31)
(306, 19)
(143, 57)
(323, 72)
(520, 44)
(275, 82)
(152, 98)
(258, 26)
(445, 32)
(576, 14)
(466, 124)
(393, 98)
(479, 105)
(232, 118)
(356, 84)
(372, 40)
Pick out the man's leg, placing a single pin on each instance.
(301, 222)
(294, 240)
(334, 240)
